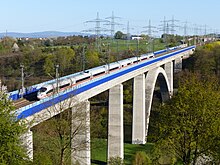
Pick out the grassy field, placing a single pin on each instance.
(142, 45)
(99, 151)
(122, 45)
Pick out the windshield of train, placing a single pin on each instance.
(43, 89)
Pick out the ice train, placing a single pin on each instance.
(49, 89)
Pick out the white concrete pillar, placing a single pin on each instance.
(178, 65)
(27, 142)
(115, 123)
(80, 145)
(169, 71)
(138, 125)
(150, 85)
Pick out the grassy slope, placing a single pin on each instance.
(99, 151)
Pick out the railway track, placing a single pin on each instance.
(22, 102)
(26, 100)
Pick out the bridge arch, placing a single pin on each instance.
(165, 89)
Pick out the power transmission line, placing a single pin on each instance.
(128, 35)
(164, 26)
(173, 25)
(112, 23)
(97, 29)
(185, 27)
(165, 30)
(150, 30)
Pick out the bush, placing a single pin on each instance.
(115, 161)
(141, 158)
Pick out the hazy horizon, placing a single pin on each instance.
(26, 16)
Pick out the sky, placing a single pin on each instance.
(70, 15)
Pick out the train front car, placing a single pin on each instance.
(45, 91)
(42, 93)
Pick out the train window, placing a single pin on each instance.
(113, 68)
(65, 85)
(98, 73)
(50, 91)
(42, 89)
(82, 79)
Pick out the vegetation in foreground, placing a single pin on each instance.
(11, 149)
(189, 123)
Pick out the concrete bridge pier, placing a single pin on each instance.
(115, 122)
(27, 142)
(80, 132)
(168, 67)
(138, 124)
(178, 65)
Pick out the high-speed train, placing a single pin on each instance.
(51, 88)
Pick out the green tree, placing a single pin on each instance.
(115, 161)
(48, 42)
(11, 150)
(189, 122)
(99, 122)
(64, 57)
(30, 59)
(206, 60)
(49, 65)
(59, 136)
(141, 158)
(92, 58)
(119, 35)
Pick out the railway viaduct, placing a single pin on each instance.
(144, 75)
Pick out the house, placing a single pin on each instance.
(136, 38)
(15, 47)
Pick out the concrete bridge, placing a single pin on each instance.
(144, 73)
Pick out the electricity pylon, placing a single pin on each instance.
(150, 30)
(97, 29)
(112, 23)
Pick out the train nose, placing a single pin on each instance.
(39, 96)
